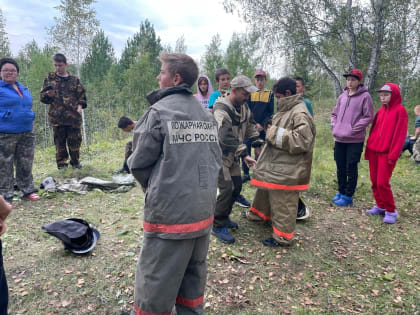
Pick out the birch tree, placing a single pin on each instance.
(74, 29)
(213, 57)
(4, 40)
(339, 35)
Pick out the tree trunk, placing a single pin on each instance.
(351, 36)
(331, 74)
(379, 30)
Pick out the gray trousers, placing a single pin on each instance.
(171, 272)
(16, 150)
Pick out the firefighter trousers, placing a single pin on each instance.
(171, 272)
(279, 206)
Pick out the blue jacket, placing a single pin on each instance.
(16, 115)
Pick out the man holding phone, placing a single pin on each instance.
(67, 98)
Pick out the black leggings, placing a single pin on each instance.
(347, 158)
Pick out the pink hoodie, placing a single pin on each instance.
(204, 99)
(351, 116)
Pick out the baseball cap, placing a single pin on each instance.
(260, 72)
(354, 73)
(385, 88)
(242, 81)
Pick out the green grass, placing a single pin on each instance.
(344, 262)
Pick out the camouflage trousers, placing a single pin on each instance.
(416, 151)
(67, 136)
(16, 150)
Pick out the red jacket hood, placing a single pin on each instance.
(395, 95)
(389, 128)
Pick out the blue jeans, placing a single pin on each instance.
(4, 294)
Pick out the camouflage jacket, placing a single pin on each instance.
(69, 94)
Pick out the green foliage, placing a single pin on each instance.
(382, 38)
(99, 59)
(75, 28)
(180, 46)
(4, 40)
(140, 79)
(239, 57)
(212, 58)
(143, 42)
(35, 63)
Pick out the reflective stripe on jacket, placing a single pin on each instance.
(176, 158)
(286, 159)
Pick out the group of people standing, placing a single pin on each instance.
(186, 154)
(181, 153)
(66, 98)
(350, 118)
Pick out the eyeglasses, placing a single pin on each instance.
(10, 71)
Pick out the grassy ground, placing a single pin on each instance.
(344, 262)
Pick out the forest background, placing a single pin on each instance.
(344, 262)
(318, 40)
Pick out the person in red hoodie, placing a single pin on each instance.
(383, 148)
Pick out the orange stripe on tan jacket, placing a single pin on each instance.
(192, 303)
(259, 213)
(258, 183)
(289, 236)
(178, 228)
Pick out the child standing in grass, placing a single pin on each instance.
(383, 148)
(349, 120)
(5, 209)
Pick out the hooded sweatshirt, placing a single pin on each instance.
(204, 99)
(389, 128)
(351, 116)
(16, 115)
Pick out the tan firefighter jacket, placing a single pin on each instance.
(233, 128)
(286, 159)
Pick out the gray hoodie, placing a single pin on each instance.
(351, 116)
(176, 159)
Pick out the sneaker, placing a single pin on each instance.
(232, 225)
(337, 196)
(390, 217)
(375, 211)
(62, 166)
(33, 197)
(270, 242)
(223, 234)
(344, 201)
(78, 166)
(245, 178)
(242, 202)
